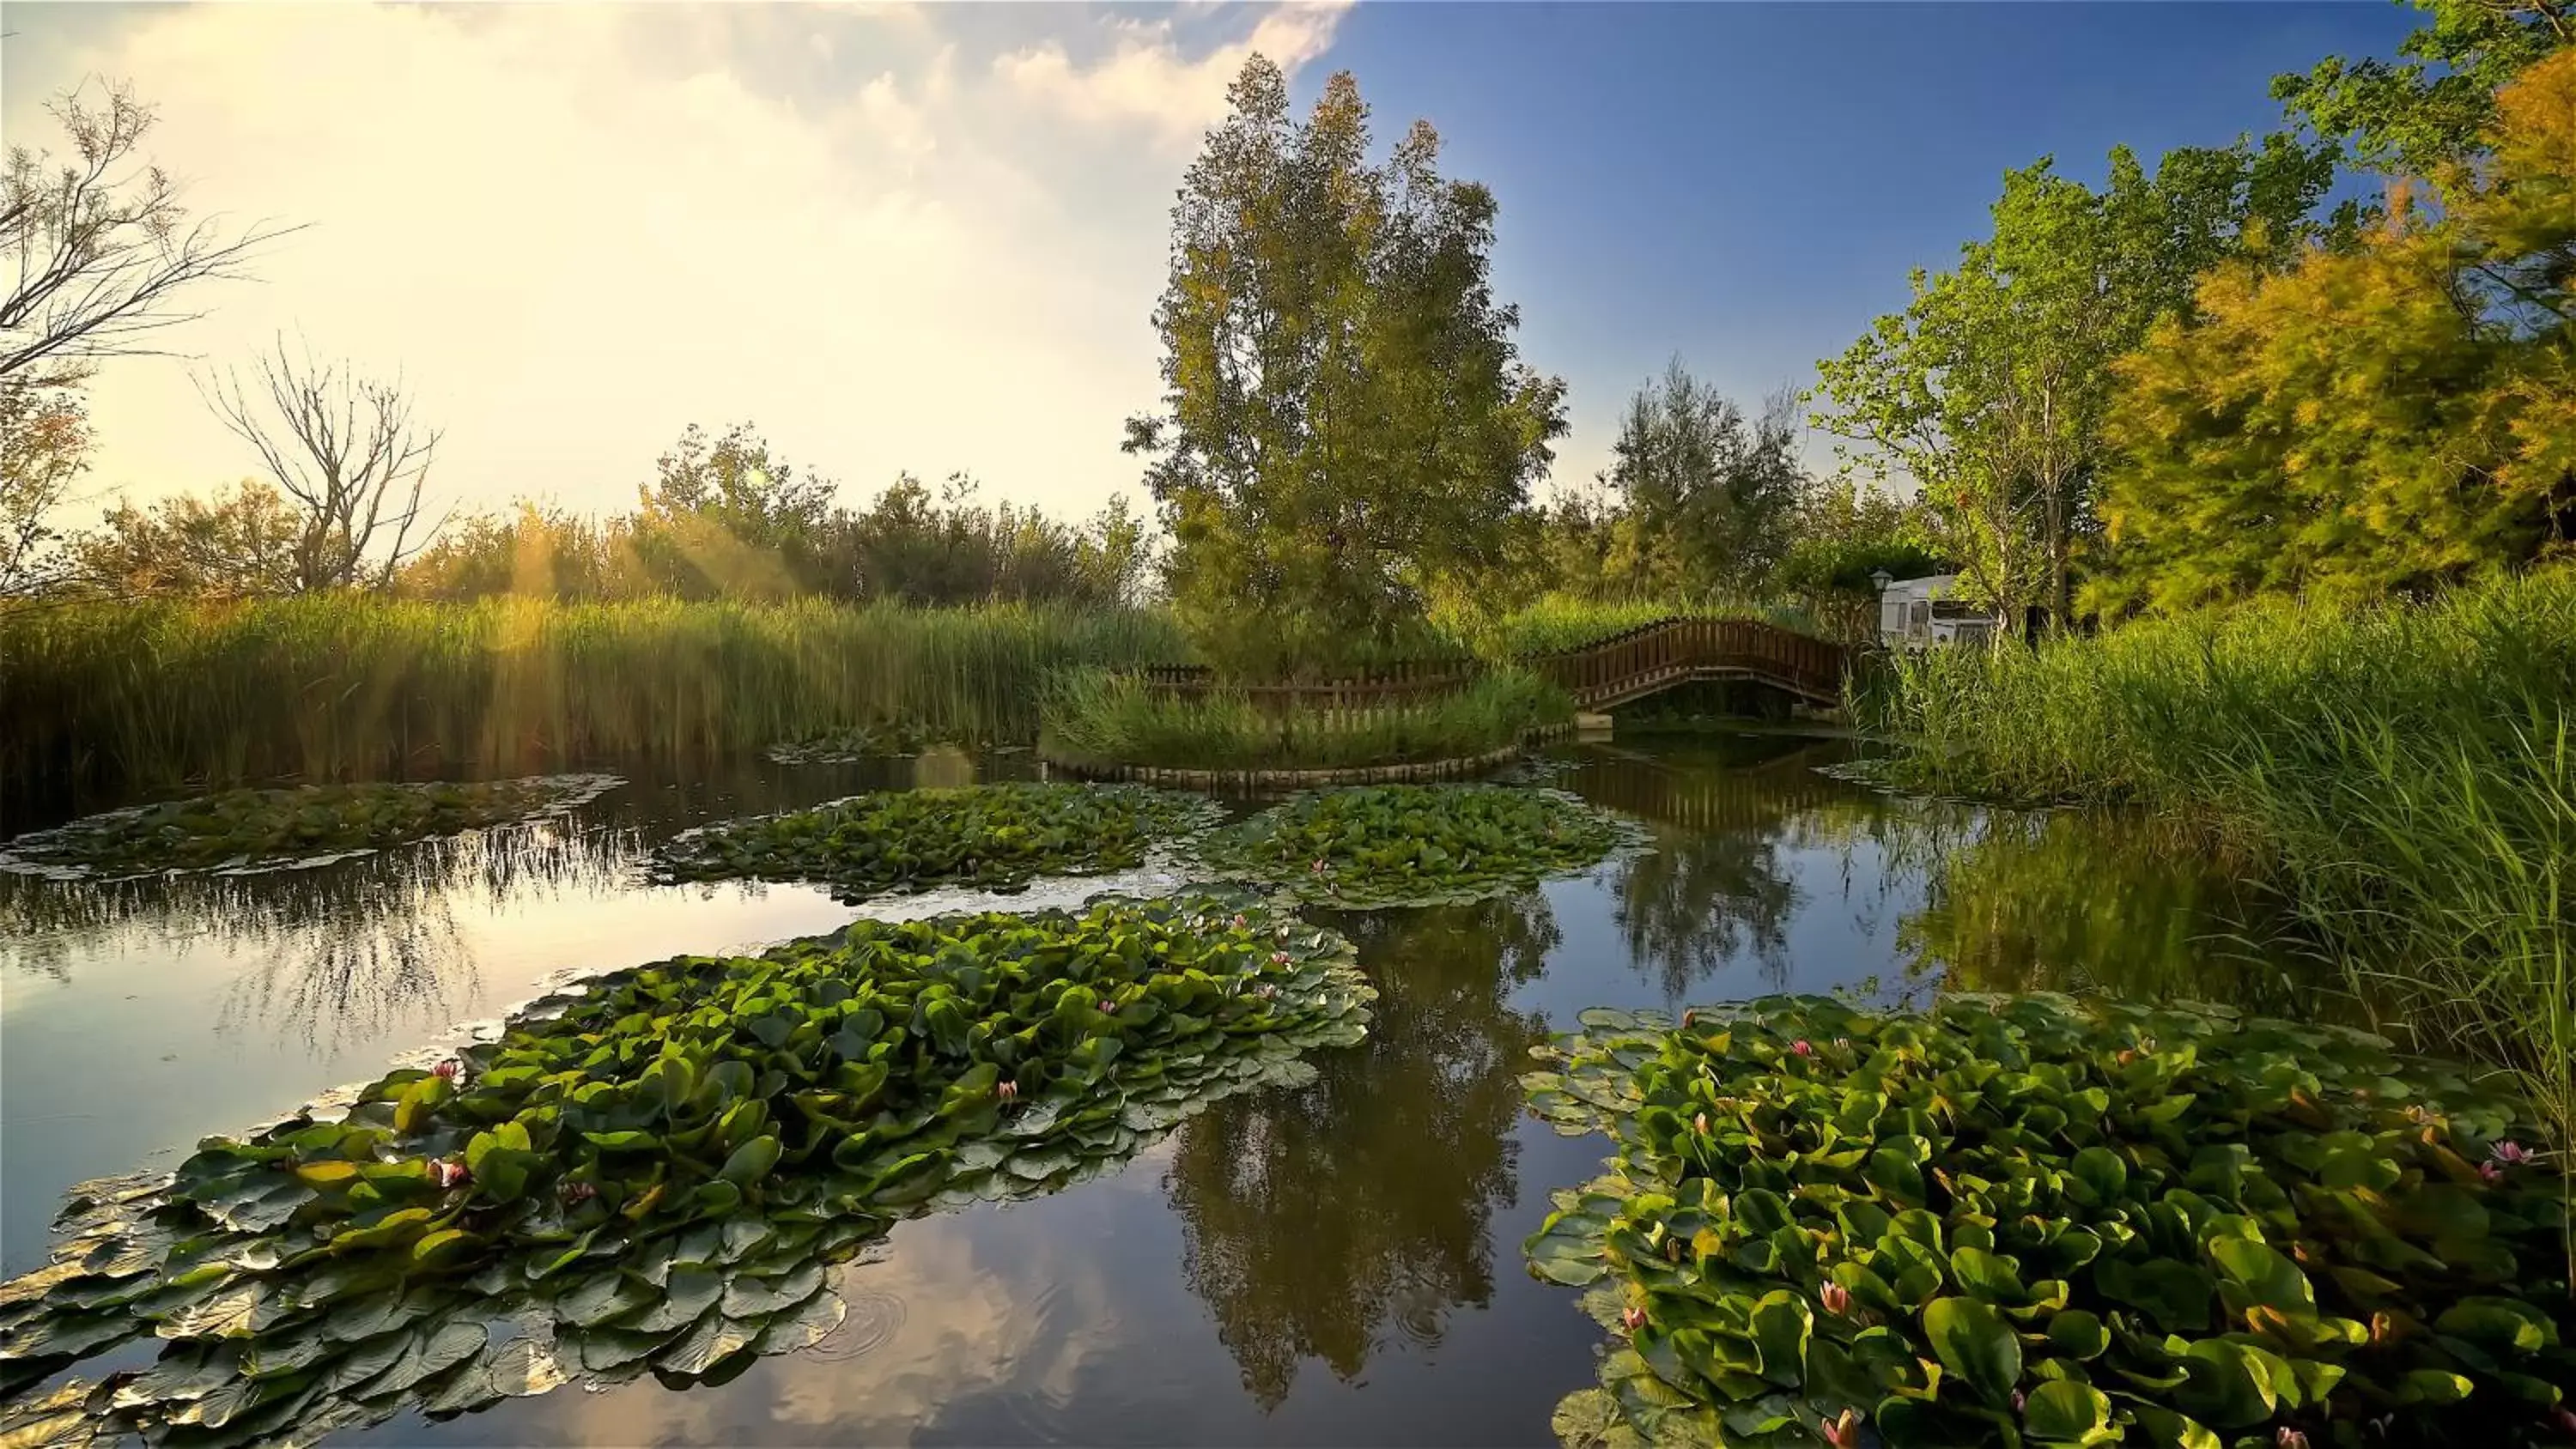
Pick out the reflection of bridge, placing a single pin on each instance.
(1655, 657)
(1714, 796)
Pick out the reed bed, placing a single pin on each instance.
(1097, 718)
(150, 695)
(2407, 772)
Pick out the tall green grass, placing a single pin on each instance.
(153, 694)
(1099, 719)
(1556, 622)
(2408, 772)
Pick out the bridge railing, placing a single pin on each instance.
(1610, 668)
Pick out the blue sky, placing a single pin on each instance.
(930, 238)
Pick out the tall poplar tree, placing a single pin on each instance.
(1346, 417)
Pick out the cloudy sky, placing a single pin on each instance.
(930, 238)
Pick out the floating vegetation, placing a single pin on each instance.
(655, 1172)
(884, 739)
(1416, 845)
(2028, 1220)
(995, 837)
(273, 829)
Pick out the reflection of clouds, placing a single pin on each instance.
(971, 1328)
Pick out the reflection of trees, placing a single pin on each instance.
(1314, 1218)
(1699, 903)
(351, 947)
(2066, 901)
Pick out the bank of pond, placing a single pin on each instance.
(1964, 1218)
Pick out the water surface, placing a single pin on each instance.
(1333, 1264)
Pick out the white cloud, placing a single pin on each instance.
(894, 238)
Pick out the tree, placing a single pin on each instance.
(2434, 106)
(345, 449)
(1346, 416)
(1704, 493)
(1989, 391)
(95, 253)
(248, 543)
(44, 449)
(2384, 419)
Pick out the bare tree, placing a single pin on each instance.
(345, 448)
(94, 248)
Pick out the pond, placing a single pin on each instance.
(1334, 1263)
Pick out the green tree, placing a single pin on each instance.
(2382, 419)
(1988, 393)
(44, 450)
(1346, 418)
(2433, 106)
(248, 543)
(1703, 494)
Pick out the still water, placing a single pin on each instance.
(1332, 1264)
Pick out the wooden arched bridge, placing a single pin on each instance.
(1626, 667)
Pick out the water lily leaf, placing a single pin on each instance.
(2266, 1277)
(430, 1351)
(526, 1367)
(686, 1297)
(2063, 1412)
(807, 1324)
(709, 1342)
(1975, 1343)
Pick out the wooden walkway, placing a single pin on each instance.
(1621, 669)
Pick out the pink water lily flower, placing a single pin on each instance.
(1843, 1430)
(2510, 1153)
(448, 1071)
(1803, 1047)
(1632, 1318)
(1278, 958)
(2290, 1438)
(1240, 923)
(1008, 1090)
(1108, 1007)
(2020, 1401)
(1690, 1015)
(447, 1173)
(579, 1192)
(2490, 1172)
(1318, 868)
(1699, 1123)
(1836, 1298)
(1268, 991)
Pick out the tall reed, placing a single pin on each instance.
(2408, 771)
(1097, 718)
(153, 694)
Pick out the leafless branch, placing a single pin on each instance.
(347, 450)
(95, 249)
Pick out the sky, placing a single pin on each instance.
(930, 238)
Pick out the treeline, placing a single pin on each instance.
(2198, 383)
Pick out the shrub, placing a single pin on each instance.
(2022, 1216)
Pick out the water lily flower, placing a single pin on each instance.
(1672, 1250)
(1240, 922)
(1843, 1430)
(448, 1071)
(2491, 1172)
(1632, 1318)
(1803, 1047)
(1837, 1298)
(1007, 1090)
(1268, 991)
(1699, 1124)
(2510, 1153)
(1282, 932)
(1278, 958)
(2566, 1420)
(446, 1172)
(2383, 1328)
(576, 1193)
(2020, 1401)
(1318, 868)
(2290, 1438)
(1842, 1043)
(1108, 1007)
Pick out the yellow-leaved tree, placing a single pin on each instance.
(2374, 420)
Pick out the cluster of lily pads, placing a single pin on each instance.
(304, 825)
(1403, 845)
(995, 837)
(879, 740)
(654, 1173)
(2025, 1220)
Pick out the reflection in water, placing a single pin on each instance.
(1314, 1218)
(343, 950)
(2070, 901)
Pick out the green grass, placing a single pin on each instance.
(2407, 773)
(155, 694)
(1096, 718)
